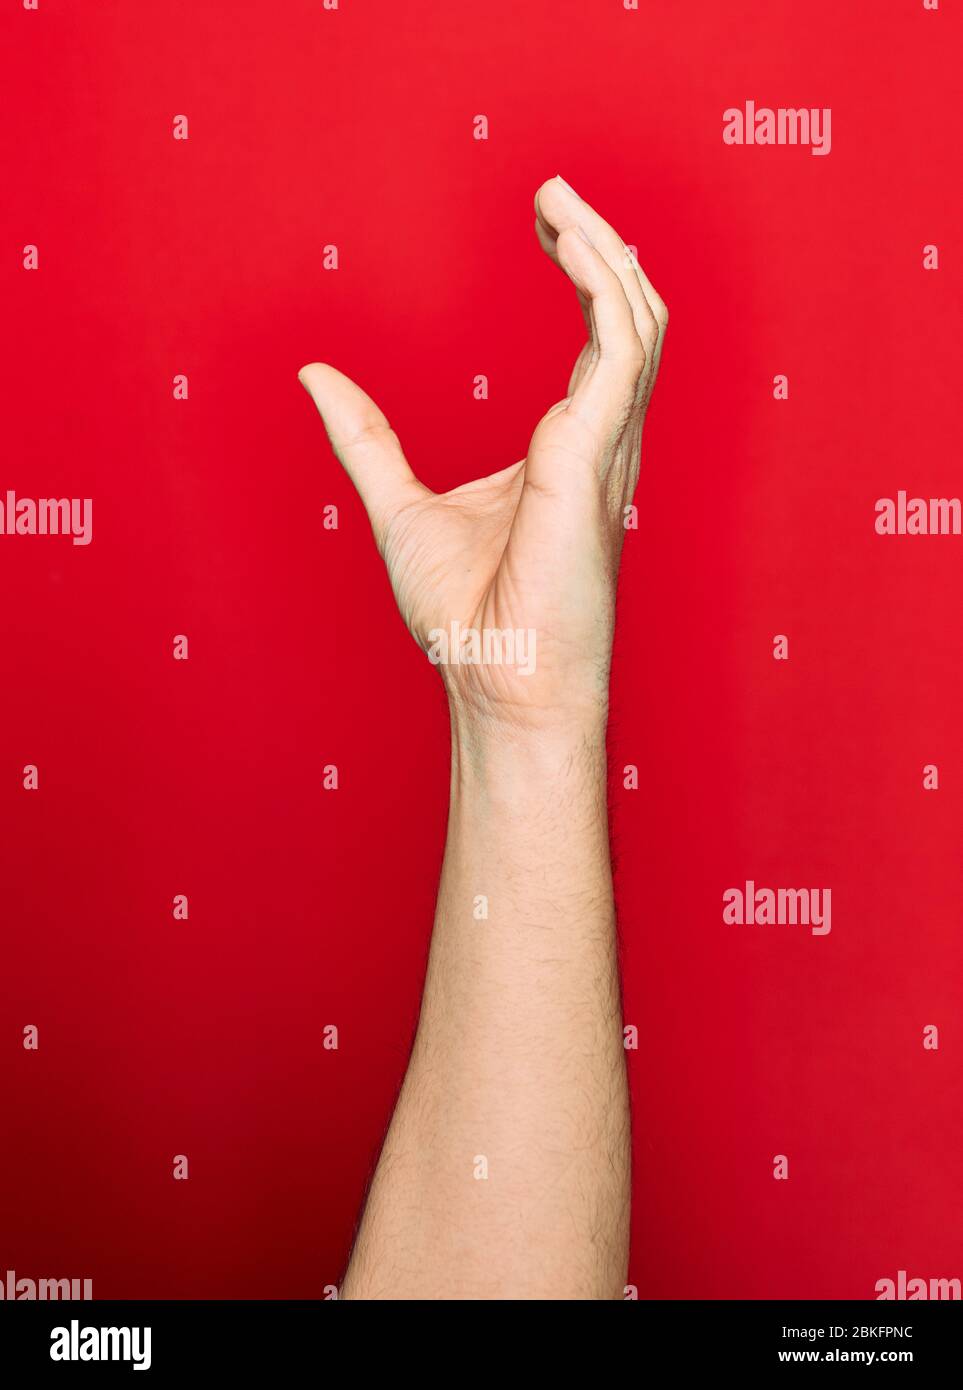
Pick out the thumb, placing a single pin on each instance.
(364, 443)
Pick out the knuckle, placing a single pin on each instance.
(636, 358)
(650, 338)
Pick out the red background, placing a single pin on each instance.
(203, 777)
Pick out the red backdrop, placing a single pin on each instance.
(157, 777)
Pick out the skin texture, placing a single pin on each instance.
(505, 1171)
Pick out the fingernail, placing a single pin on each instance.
(566, 185)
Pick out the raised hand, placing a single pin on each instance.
(533, 548)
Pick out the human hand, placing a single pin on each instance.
(535, 547)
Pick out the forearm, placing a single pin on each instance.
(505, 1172)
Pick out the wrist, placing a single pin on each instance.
(528, 758)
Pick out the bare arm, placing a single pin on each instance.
(506, 1168)
(505, 1172)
